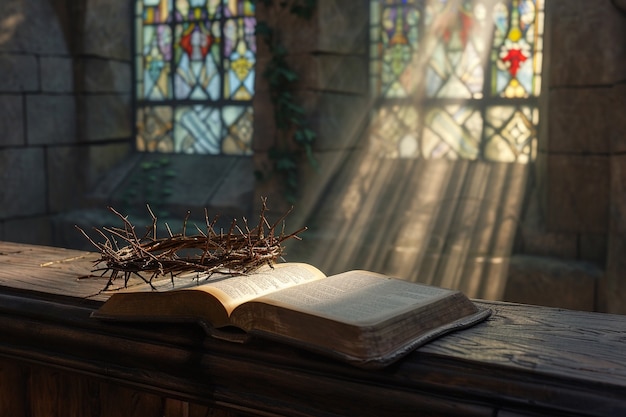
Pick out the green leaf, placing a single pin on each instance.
(285, 164)
(311, 158)
(305, 136)
(290, 197)
(289, 117)
(262, 29)
(290, 75)
(309, 134)
(292, 181)
(279, 51)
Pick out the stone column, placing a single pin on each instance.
(586, 168)
(615, 284)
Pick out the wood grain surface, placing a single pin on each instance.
(523, 361)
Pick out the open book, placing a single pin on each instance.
(361, 317)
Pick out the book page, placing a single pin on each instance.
(235, 290)
(356, 297)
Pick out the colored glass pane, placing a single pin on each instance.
(398, 48)
(197, 61)
(458, 64)
(156, 65)
(190, 10)
(517, 49)
(393, 132)
(453, 132)
(198, 129)
(455, 42)
(511, 133)
(195, 58)
(239, 8)
(238, 139)
(156, 11)
(239, 51)
(154, 127)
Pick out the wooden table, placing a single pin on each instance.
(57, 361)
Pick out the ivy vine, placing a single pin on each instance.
(293, 135)
(150, 184)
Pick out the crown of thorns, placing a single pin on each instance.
(235, 252)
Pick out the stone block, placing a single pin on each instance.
(593, 248)
(32, 230)
(616, 125)
(581, 120)
(51, 119)
(614, 285)
(31, 27)
(107, 116)
(74, 171)
(324, 186)
(544, 243)
(585, 51)
(264, 123)
(342, 26)
(618, 194)
(552, 282)
(12, 120)
(22, 176)
(19, 73)
(65, 234)
(235, 194)
(262, 59)
(577, 193)
(534, 239)
(338, 119)
(107, 29)
(336, 27)
(298, 35)
(336, 73)
(106, 76)
(268, 184)
(57, 74)
(64, 177)
(105, 186)
(101, 159)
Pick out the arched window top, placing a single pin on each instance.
(456, 78)
(194, 75)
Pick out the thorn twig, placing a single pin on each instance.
(240, 251)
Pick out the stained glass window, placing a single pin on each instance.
(456, 78)
(194, 72)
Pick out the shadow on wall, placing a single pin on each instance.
(440, 222)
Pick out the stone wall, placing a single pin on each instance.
(64, 107)
(37, 113)
(329, 54)
(576, 203)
